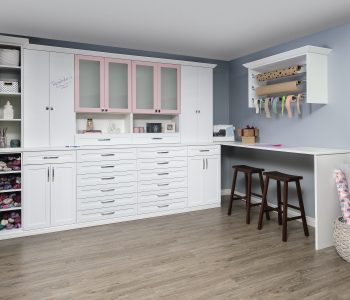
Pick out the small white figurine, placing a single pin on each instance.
(8, 111)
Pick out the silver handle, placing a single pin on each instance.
(162, 195)
(162, 184)
(109, 201)
(109, 190)
(103, 140)
(161, 206)
(163, 152)
(203, 164)
(157, 138)
(51, 157)
(53, 174)
(207, 163)
(107, 178)
(105, 167)
(163, 163)
(108, 213)
(109, 154)
(204, 150)
(48, 174)
(160, 174)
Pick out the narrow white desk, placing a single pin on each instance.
(326, 160)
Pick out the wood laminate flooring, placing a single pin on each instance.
(197, 255)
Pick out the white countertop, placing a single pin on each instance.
(286, 148)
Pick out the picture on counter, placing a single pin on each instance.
(153, 127)
(169, 127)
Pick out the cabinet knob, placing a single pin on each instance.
(51, 108)
(155, 110)
(106, 109)
(47, 108)
(102, 109)
(199, 111)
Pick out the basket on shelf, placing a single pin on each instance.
(9, 57)
(341, 235)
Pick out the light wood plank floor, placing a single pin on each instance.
(198, 255)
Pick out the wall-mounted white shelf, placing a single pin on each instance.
(314, 61)
(7, 67)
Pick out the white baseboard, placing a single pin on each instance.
(291, 212)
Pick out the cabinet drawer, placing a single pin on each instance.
(156, 138)
(204, 150)
(161, 163)
(107, 213)
(102, 140)
(106, 167)
(107, 190)
(145, 175)
(105, 154)
(48, 157)
(162, 184)
(161, 152)
(103, 202)
(101, 179)
(162, 195)
(162, 205)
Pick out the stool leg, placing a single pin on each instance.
(246, 189)
(232, 192)
(279, 202)
(249, 196)
(263, 203)
(302, 210)
(262, 191)
(285, 211)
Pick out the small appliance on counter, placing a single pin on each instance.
(224, 133)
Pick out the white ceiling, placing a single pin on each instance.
(218, 29)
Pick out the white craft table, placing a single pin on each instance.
(326, 160)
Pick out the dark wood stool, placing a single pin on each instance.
(248, 172)
(283, 213)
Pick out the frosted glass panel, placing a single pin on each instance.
(144, 87)
(89, 83)
(118, 85)
(169, 88)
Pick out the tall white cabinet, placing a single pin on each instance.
(196, 119)
(48, 99)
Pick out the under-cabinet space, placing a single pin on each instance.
(155, 123)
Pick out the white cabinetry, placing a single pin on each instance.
(196, 119)
(203, 175)
(49, 118)
(49, 191)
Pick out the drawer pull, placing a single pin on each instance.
(109, 190)
(157, 138)
(163, 195)
(160, 174)
(162, 206)
(108, 213)
(163, 152)
(108, 154)
(107, 178)
(204, 150)
(163, 163)
(108, 201)
(103, 140)
(50, 157)
(105, 167)
(163, 184)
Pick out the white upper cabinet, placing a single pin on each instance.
(49, 118)
(196, 119)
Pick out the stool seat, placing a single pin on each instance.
(248, 169)
(282, 176)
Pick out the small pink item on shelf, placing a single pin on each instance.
(344, 195)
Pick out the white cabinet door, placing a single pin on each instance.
(63, 194)
(196, 167)
(36, 98)
(212, 180)
(189, 111)
(36, 197)
(62, 116)
(205, 105)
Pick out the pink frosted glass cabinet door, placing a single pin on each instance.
(169, 89)
(89, 84)
(117, 85)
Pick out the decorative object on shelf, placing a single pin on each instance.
(9, 86)
(9, 57)
(10, 220)
(112, 128)
(8, 111)
(285, 72)
(8, 201)
(169, 127)
(341, 235)
(15, 143)
(277, 88)
(3, 138)
(153, 127)
(10, 163)
(89, 124)
(343, 194)
(139, 130)
(248, 134)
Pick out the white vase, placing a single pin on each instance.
(8, 111)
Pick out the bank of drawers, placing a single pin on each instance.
(162, 179)
(106, 184)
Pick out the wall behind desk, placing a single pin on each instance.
(320, 125)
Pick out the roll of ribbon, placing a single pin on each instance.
(256, 105)
(290, 71)
(299, 98)
(284, 87)
(275, 105)
(289, 101)
(267, 108)
(283, 102)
